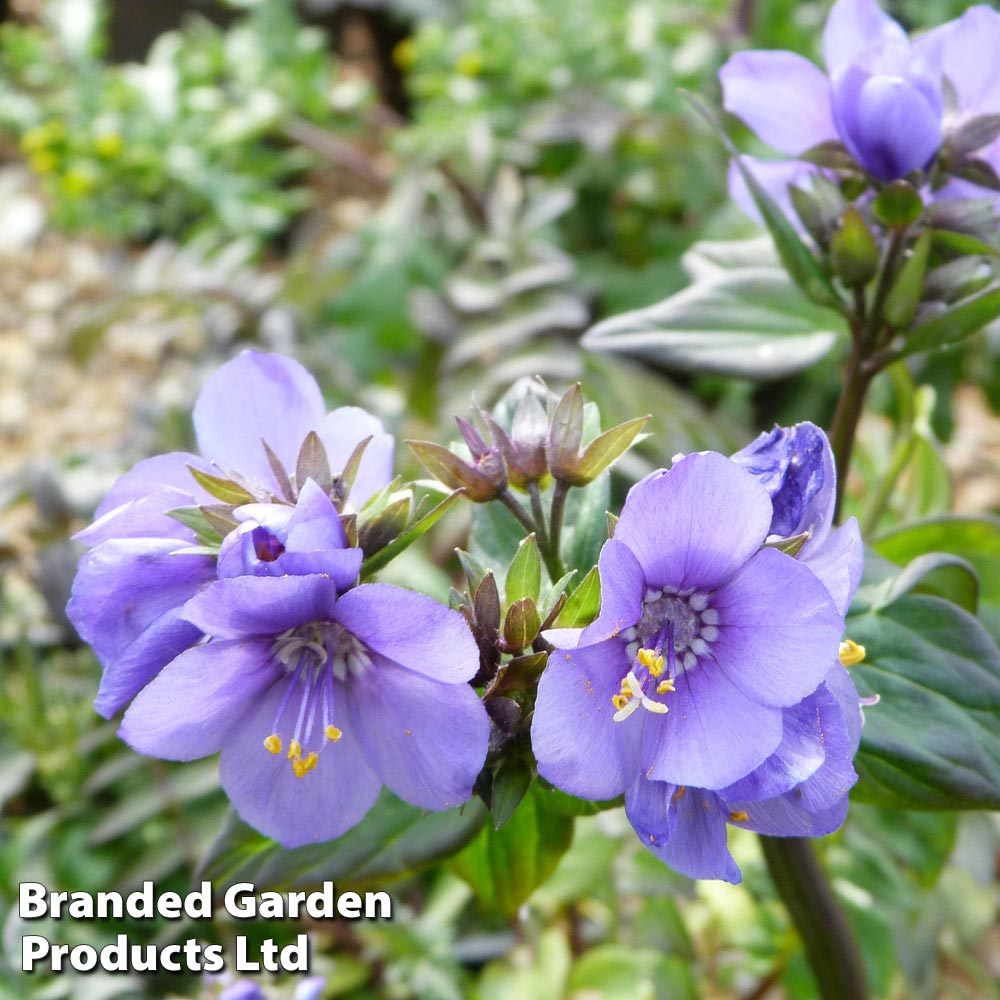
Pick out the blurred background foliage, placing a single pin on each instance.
(424, 200)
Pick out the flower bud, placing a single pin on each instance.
(482, 479)
(854, 251)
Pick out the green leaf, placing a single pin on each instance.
(521, 624)
(583, 604)
(953, 324)
(510, 784)
(750, 323)
(222, 489)
(903, 299)
(394, 839)
(976, 540)
(939, 573)
(614, 972)
(504, 867)
(933, 740)
(408, 537)
(524, 578)
(194, 518)
(795, 256)
(586, 525)
(607, 448)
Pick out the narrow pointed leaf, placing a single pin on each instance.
(524, 578)
(606, 449)
(797, 258)
(583, 604)
(222, 489)
(953, 324)
(280, 473)
(313, 463)
(408, 537)
(904, 297)
(345, 481)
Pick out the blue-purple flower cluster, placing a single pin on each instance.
(316, 689)
(710, 690)
(892, 103)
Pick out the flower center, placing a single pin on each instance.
(676, 628)
(315, 656)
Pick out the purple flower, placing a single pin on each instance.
(964, 52)
(880, 97)
(704, 638)
(799, 791)
(129, 589)
(317, 701)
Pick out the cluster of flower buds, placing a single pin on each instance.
(544, 442)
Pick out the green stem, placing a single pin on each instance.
(857, 378)
(539, 514)
(829, 943)
(556, 513)
(515, 507)
(875, 506)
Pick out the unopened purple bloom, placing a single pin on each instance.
(796, 467)
(129, 589)
(699, 646)
(879, 96)
(317, 701)
(799, 791)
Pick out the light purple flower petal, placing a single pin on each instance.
(410, 629)
(888, 123)
(623, 587)
(577, 745)
(778, 630)
(342, 430)
(315, 523)
(252, 398)
(261, 605)
(263, 788)
(243, 990)
(123, 586)
(837, 562)
(800, 754)
(775, 177)
(965, 51)
(141, 660)
(784, 816)
(189, 710)
(853, 26)
(712, 735)
(684, 827)
(679, 523)
(136, 506)
(782, 96)
(839, 683)
(426, 740)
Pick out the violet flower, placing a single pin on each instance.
(799, 791)
(964, 52)
(880, 97)
(129, 589)
(704, 637)
(317, 701)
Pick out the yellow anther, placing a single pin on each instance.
(273, 743)
(305, 765)
(294, 750)
(851, 652)
(625, 689)
(651, 661)
(739, 816)
(679, 794)
(332, 733)
(665, 686)
(619, 701)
